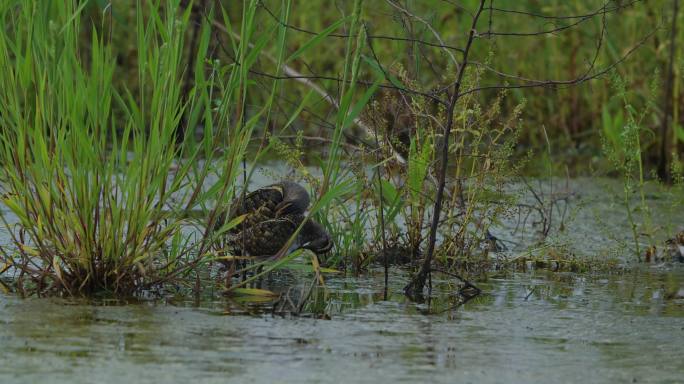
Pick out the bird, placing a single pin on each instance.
(266, 238)
(272, 215)
(671, 251)
(675, 247)
(270, 202)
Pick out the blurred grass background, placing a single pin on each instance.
(575, 118)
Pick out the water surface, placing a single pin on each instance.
(538, 326)
(530, 327)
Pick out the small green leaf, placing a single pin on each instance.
(679, 132)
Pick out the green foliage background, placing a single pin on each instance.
(573, 116)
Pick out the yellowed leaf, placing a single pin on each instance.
(253, 292)
(28, 249)
(4, 268)
(58, 269)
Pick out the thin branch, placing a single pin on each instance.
(415, 287)
(379, 37)
(428, 26)
(578, 80)
(537, 33)
(567, 17)
(580, 19)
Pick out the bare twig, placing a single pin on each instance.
(379, 37)
(398, 6)
(415, 287)
(292, 74)
(566, 17)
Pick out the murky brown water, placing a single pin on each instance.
(527, 327)
(532, 327)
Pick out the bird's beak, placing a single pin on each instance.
(312, 246)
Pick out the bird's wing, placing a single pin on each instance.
(265, 238)
(268, 196)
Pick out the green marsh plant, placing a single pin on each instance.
(622, 144)
(482, 158)
(92, 173)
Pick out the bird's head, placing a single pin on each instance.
(295, 199)
(315, 238)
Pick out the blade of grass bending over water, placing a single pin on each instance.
(348, 112)
(347, 87)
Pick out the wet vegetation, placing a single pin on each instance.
(442, 138)
(487, 190)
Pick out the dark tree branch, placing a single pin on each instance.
(580, 19)
(415, 287)
(567, 17)
(532, 83)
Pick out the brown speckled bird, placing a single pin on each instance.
(675, 247)
(671, 251)
(273, 214)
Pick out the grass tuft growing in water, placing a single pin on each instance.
(100, 177)
(96, 175)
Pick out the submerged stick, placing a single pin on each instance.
(466, 283)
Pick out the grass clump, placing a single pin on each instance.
(94, 174)
(99, 177)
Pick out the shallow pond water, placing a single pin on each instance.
(530, 327)
(537, 326)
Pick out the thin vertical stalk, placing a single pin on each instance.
(667, 121)
(192, 56)
(415, 287)
(382, 216)
(349, 74)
